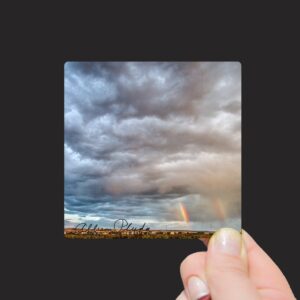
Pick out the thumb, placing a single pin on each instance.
(226, 267)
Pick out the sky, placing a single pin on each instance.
(153, 142)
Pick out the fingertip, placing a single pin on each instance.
(193, 266)
(226, 241)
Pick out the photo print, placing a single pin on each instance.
(152, 149)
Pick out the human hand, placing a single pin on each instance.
(233, 268)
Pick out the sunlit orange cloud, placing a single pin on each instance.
(219, 209)
(184, 213)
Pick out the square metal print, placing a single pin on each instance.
(152, 149)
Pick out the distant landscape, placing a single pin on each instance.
(71, 233)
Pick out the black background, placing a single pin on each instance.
(42, 263)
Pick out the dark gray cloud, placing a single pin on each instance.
(142, 137)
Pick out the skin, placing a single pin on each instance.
(250, 275)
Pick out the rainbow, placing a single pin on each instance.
(219, 209)
(184, 213)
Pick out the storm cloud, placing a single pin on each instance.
(143, 137)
